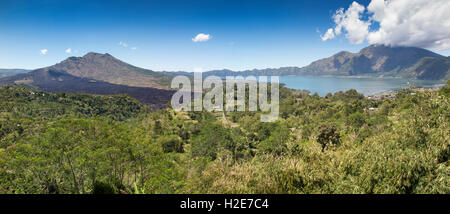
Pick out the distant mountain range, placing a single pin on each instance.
(103, 74)
(372, 61)
(11, 72)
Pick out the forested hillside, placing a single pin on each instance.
(341, 143)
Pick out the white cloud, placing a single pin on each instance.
(418, 23)
(69, 50)
(349, 20)
(421, 23)
(328, 35)
(123, 44)
(201, 37)
(44, 51)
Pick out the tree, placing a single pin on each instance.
(276, 143)
(210, 139)
(328, 134)
(102, 188)
(356, 120)
(171, 143)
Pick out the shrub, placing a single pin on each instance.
(171, 143)
(103, 188)
(327, 134)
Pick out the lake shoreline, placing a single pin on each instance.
(368, 86)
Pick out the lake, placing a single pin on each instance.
(366, 86)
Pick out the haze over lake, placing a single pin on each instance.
(366, 86)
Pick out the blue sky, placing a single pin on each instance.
(243, 34)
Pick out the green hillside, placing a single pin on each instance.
(341, 143)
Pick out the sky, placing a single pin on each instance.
(201, 35)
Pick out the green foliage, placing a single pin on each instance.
(211, 138)
(446, 89)
(276, 143)
(171, 143)
(80, 143)
(356, 120)
(103, 188)
(327, 135)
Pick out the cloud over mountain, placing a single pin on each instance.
(418, 23)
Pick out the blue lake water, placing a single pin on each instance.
(366, 86)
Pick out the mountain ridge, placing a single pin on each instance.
(375, 59)
(107, 68)
(98, 74)
(104, 74)
(372, 61)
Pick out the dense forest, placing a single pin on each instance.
(340, 143)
